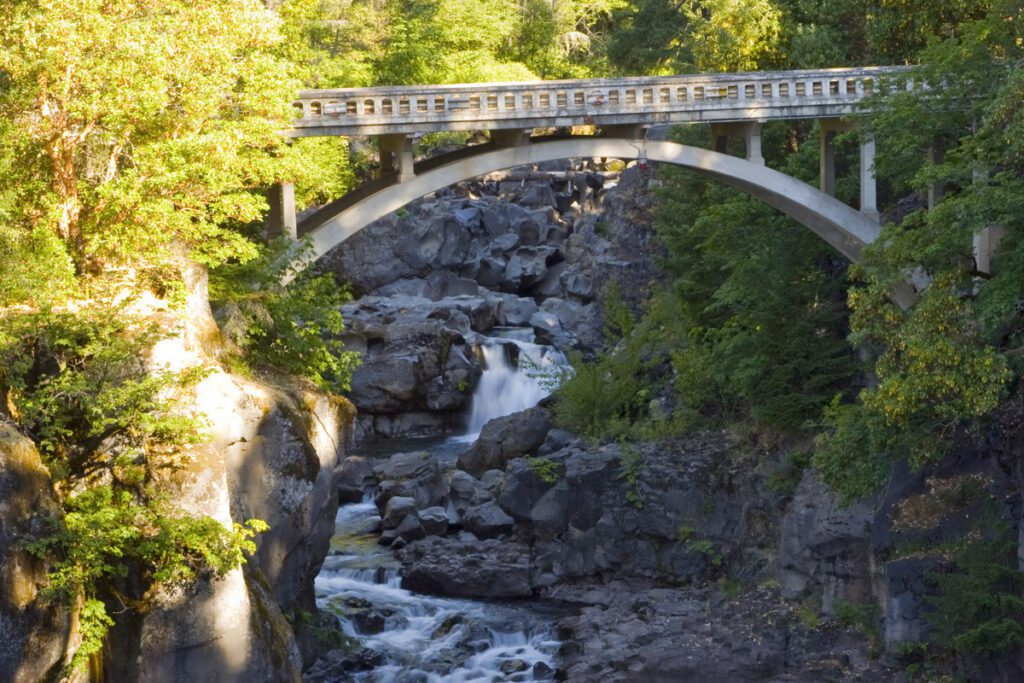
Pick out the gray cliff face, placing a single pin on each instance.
(35, 634)
(273, 457)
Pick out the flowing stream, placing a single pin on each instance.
(428, 639)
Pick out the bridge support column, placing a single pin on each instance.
(868, 187)
(626, 131)
(987, 239)
(514, 137)
(281, 218)
(396, 156)
(748, 131)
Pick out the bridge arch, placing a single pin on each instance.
(842, 226)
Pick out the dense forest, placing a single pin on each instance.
(139, 139)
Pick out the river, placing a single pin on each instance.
(428, 639)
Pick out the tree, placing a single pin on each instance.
(138, 128)
(948, 361)
(677, 36)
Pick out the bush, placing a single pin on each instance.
(291, 328)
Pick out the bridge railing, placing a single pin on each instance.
(780, 94)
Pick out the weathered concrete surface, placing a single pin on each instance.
(399, 111)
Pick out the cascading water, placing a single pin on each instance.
(421, 638)
(428, 639)
(509, 385)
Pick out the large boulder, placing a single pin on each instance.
(526, 267)
(506, 438)
(466, 491)
(34, 632)
(467, 567)
(488, 521)
(524, 484)
(355, 476)
(417, 476)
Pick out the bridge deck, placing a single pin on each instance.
(754, 96)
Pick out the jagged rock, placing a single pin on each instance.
(386, 384)
(355, 475)
(906, 590)
(466, 567)
(505, 438)
(339, 665)
(625, 634)
(516, 311)
(825, 545)
(411, 529)
(467, 491)
(437, 286)
(434, 521)
(490, 271)
(487, 521)
(396, 510)
(504, 243)
(578, 286)
(549, 516)
(551, 284)
(526, 267)
(415, 475)
(521, 488)
(556, 440)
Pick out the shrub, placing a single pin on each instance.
(291, 328)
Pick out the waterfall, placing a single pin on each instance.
(517, 375)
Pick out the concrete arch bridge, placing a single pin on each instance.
(734, 105)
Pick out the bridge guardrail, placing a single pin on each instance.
(722, 97)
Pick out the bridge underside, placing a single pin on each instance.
(842, 226)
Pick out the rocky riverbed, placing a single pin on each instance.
(704, 558)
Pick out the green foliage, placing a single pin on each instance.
(632, 468)
(106, 536)
(291, 328)
(141, 128)
(107, 539)
(937, 367)
(979, 608)
(619, 394)
(618, 317)
(548, 470)
(667, 36)
(863, 617)
(760, 303)
(36, 266)
(78, 387)
(707, 548)
(93, 624)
